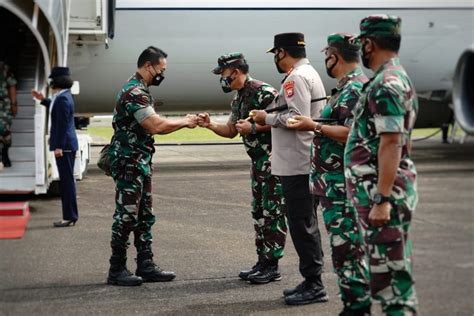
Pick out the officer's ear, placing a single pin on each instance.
(369, 45)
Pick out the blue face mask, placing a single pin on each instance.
(225, 83)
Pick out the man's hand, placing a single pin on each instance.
(192, 120)
(258, 116)
(244, 127)
(37, 95)
(58, 152)
(204, 120)
(380, 214)
(301, 123)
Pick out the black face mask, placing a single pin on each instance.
(329, 69)
(365, 57)
(225, 83)
(157, 78)
(277, 61)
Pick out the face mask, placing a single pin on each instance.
(157, 78)
(365, 56)
(329, 69)
(225, 83)
(277, 60)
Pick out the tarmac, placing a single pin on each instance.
(204, 233)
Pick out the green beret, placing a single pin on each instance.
(343, 41)
(380, 25)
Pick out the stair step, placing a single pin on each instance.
(21, 124)
(21, 183)
(19, 169)
(25, 111)
(23, 139)
(22, 154)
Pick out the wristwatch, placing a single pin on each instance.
(253, 129)
(318, 130)
(380, 199)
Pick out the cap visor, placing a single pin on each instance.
(271, 50)
(324, 49)
(217, 70)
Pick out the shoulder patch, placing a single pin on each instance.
(289, 88)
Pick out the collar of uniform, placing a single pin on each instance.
(140, 78)
(246, 83)
(391, 62)
(302, 61)
(357, 71)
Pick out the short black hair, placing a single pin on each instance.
(348, 55)
(61, 82)
(295, 51)
(151, 54)
(244, 68)
(391, 43)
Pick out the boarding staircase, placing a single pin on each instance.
(21, 175)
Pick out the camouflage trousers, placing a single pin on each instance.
(348, 256)
(133, 210)
(268, 211)
(389, 252)
(6, 118)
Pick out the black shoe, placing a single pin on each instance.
(365, 311)
(265, 275)
(150, 272)
(65, 223)
(308, 294)
(5, 159)
(123, 277)
(244, 274)
(291, 291)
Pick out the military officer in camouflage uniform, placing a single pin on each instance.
(301, 89)
(130, 153)
(326, 177)
(380, 175)
(8, 109)
(268, 208)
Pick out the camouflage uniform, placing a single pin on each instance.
(268, 208)
(6, 116)
(131, 153)
(327, 181)
(388, 105)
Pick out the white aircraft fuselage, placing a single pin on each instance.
(196, 33)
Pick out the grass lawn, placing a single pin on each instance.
(204, 135)
(184, 135)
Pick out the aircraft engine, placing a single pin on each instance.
(463, 91)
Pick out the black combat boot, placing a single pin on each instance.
(149, 271)
(244, 274)
(5, 159)
(364, 311)
(267, 273)
(118, 272)
(295, 289)
(310, 291)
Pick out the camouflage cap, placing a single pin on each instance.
(380, 25)
(229, 60)
(344, 41)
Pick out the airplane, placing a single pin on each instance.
(100, 40)
(436, 36)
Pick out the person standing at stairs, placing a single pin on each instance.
(8, 110)
(62, 139)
